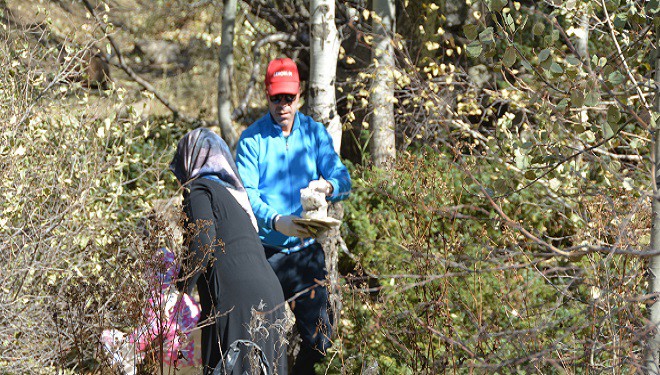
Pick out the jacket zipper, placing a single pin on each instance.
(288, 169)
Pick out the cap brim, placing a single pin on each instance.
(283, 88)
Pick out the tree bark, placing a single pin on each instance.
(582, 34)
(653, 357)
(324, 48)
(226, 62)
(381, 100)
(322, 105)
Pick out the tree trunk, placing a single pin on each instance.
(383, 149)
(322, 105)
(582, 34)
(582, 49)
(654, 340)
(324, 48)
(226, 61)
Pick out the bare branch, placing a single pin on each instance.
(135, 77)
(242, 109)
(623, 58)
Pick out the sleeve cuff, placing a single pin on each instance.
(272, 221)
(335, 188)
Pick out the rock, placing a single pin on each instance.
(161, 54)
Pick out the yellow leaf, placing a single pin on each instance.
(20, 151)
(432, 46)
(365, 14)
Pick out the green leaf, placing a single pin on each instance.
(538, 29)
(607, 70)
(470, 31)
(620, 20)
(577, 98)
(508, 20)
(562, 104)
(571, 72)
(592, 99)
(530, 175)
(556, 68)
(635, 143)
(554, 36)
(613, 114)
(524, 21)
(545, 64)
(486, 36)
(509, 56)
(497, 5)
(573, 60)
(611, 5)
(522, 160)
(489, 50)
(616, 78)
(526, 64)
(500, 185)
(543, 55)
(474, 49)
(607, 130)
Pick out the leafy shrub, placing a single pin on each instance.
(442, 283)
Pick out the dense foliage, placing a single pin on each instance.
(443, 284)
(510, 235)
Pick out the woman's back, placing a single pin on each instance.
(241, 284)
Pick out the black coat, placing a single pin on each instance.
(226, 262)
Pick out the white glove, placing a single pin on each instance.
(321, 186)
(286, 226)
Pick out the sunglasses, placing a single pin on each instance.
(276, 99)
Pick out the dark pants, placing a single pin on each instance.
(303, 271)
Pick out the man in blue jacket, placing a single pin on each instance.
(281, 153)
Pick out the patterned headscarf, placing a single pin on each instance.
(202, 153)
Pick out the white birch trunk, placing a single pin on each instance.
(323, 108)
(381, 100)
(323, 70)
(582, 35)
(653, 357)
(226, 62)
(582, 49)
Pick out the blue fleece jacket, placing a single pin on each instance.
(274, 168)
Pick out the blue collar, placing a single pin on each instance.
(278, 127)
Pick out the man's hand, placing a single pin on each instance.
(286, 226)
(322, 186)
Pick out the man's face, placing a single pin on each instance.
(283, 108)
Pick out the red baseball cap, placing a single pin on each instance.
(282, 77)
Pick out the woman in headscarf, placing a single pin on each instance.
(238, 290)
